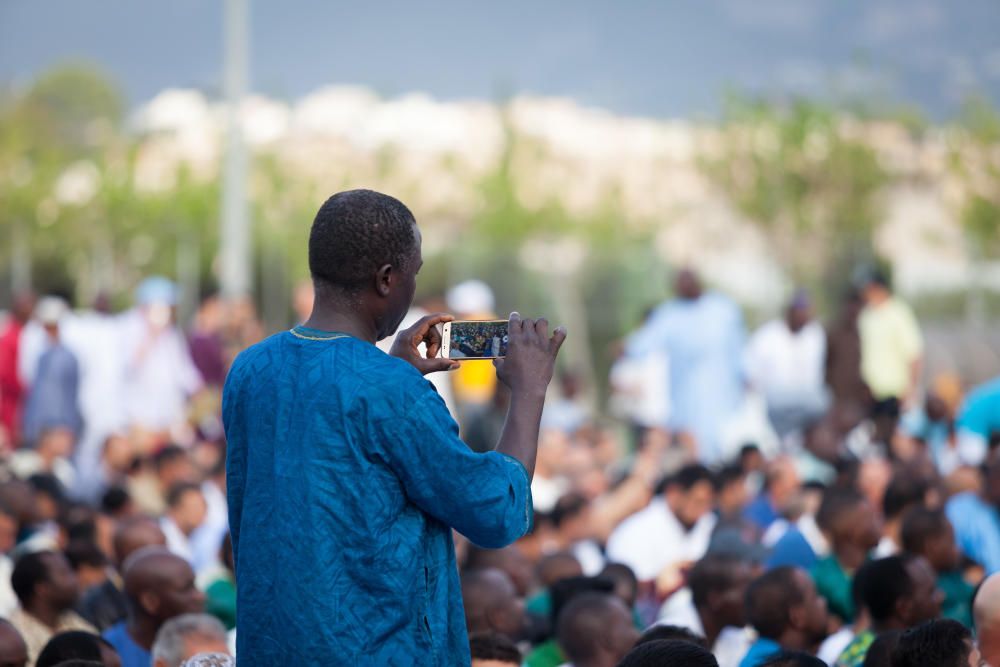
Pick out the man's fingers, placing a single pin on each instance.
(542, 328)
(437, 364)
(558, 336)
(426, 324)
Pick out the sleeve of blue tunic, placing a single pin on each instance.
(484, 496)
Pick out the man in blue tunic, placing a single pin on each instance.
(346, 474)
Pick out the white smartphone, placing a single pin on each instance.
(474, 339)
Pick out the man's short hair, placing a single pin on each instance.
(582, 623)
(769, 598)
(73, 645)
(919, 525)
(942, 643)
(689, 475)
(713, 573)
(904, 490)
(836, 501)
(179, 490)
(170, 644)
(568, 506)
(210, 660)
(565, 590)
(81, 553)
(668, 652)
(168, 455)
(355, 233)
(793, 659)
(30, 570)
(671, 633)
(491, 646)
(882, 583)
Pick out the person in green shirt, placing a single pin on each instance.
(851, 526)
(550, 653)
(928, 533)
(898, 592)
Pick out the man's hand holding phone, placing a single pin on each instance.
(531, 355)
(425, 330)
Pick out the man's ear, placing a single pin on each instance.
(150, 602)
(797, 617)
(383, 279)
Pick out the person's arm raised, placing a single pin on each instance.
(526, 371)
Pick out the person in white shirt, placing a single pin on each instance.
(186, 510)
(713, 606)
(206, 540)
(785, 362)
(672, 532)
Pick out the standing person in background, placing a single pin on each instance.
(851, 397)
(160, 376)
(11, 389)
(54, 397)
(702, 336)
(785, 361)
(346, 475)
(205, 342)
(891, 354)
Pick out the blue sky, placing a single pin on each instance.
(664, 59)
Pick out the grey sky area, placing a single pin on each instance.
(668, 58)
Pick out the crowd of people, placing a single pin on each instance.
(799, 496)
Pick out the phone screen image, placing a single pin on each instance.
(478, 339)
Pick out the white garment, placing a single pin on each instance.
(640, 393)
(590, 557)
(8, 599)
(206, 540)
(886, 547)
(177, 542)
(546, 492)
(159, 375)
(26, 462)
(441, 380)
(834, 645)
(788, 368)
(653, 538)
(813, 535)
(730, 646)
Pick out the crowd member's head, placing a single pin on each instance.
(173, 466)
(45, 584)
(509, 559)
(555, 567)
(89, 563)
(690, 494)
(562, 592)
(19, 499)
(491, 603)
(159, 586)
(188, 635)
(186, 506)
(13, 650)
(117, 503)
(668, 652)
(942, 643)
(731, 491)
(671, 633)
(783, 606)
(849, 523)
(898, 592)
(492, 650)
(781, 481)
(875, 287)
(799, 311)
(880, 652)
(986, 613)
(625, 581)
(133, 534)
(793, 659)
(77, 645)
(718, 590)
(595, 630)
(49, 495)
(752, 459)
(55, 442)
(929, 533)
(687, 285)
(366, 244)
(571, 518)
(905, 491)
(8, 528)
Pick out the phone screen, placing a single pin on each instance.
(478, 339)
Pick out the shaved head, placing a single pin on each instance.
(134, 534)
(986, 611)
(161, 584)
(491, 602)
(13, 650)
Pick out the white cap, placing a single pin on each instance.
(50, 310)
(471, 296)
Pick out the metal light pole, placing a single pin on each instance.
(235, 237)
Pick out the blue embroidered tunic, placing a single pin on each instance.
(345, 477)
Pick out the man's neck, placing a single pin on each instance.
(142, 630)
(792, 640)
(45, 614)
(711, 627)
(337, 318)
(878, 627)
(849, 557)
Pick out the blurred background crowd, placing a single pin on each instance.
(772, 229)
